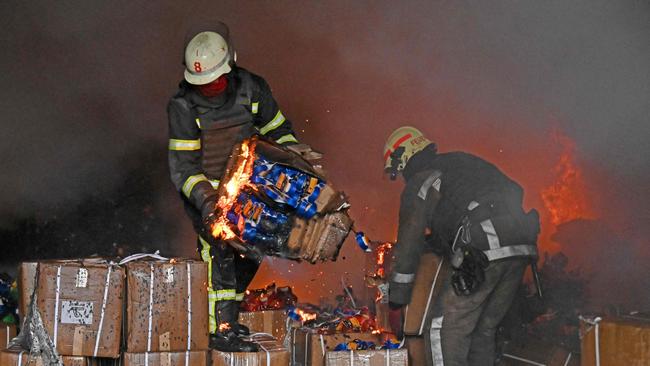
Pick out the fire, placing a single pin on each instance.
(224, 327)
(565, 199)
(305, 316)
(239, 179)
(381, 258)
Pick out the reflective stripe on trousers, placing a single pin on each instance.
(214, 296)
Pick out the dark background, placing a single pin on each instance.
(555, 93)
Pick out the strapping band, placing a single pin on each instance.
(56, 305)
(268, 354)
(150, 315)
(524, 360)
(433, 286)
(189, 312)
(103, 311)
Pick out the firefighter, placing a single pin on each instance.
(473, 213)
(217, 105)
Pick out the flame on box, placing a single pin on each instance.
(239, 179)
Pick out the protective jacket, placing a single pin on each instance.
(202, 131)
(447, 192)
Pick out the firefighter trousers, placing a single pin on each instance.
(229, 273)
(463, 328)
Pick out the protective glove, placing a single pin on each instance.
(209, 214)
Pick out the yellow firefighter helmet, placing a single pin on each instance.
(207, 56)
(401, 145)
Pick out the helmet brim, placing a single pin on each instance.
(202, 79)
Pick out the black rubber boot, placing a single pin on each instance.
(239, 329)
(228, 341)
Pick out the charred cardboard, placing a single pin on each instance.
(429, 280)
(308, 348)
(274, 322)
(26, 283)
(622, 341)
(271, 352)
(193, 358)
(386, 357)
(81, 305)
(18, 357)
(178, 311)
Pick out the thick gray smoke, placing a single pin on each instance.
(84, 89)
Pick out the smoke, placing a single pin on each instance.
(85, 88)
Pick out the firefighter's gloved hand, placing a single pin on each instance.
(469, 266)
(209, 214)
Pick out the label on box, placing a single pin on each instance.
(383, 293)
(169, 274)
(82, 278)
(77, 312)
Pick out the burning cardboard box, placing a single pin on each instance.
(7, 333)
(19, 357)
(384, 357)
(80, 302)
(276, 203)
(187, 358)
(167, 306)
(271, 353)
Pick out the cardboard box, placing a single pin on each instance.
(7, 333)
(309, 348)
(26, 284)
(18, 357)
(537, 352)
(416, 350)
(430, 279)
(387, 357)
(81, 306)
(272, 353)
(193, 358)
(165, 314)
(274, 322)
(622, 341)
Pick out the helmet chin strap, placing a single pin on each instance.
(395, 161)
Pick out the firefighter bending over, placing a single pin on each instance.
(217, 106)
(473, 213)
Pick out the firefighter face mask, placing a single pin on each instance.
(214, 88)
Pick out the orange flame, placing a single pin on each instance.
(565, 199)
(305, 316)
(240, 178)
(224, 327)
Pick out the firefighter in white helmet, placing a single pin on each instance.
(217, 105)
(475, 218)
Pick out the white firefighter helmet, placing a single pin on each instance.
(401, 145)
(207, 56)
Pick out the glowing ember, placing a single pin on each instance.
(239, 179)
(224, 327)
(566, 200)
(305, 316)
